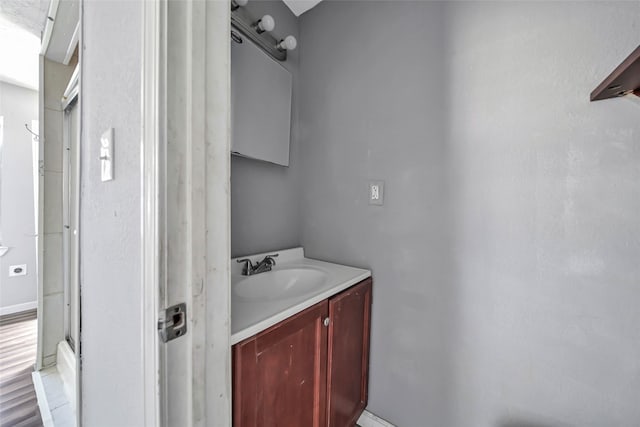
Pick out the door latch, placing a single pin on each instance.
(174, 324)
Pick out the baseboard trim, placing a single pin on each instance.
(17, 308)
(367, 419)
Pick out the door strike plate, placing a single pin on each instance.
(174, 324)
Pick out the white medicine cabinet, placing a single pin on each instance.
(260, 103)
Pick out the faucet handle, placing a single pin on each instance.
(270, 259)
(246, 270)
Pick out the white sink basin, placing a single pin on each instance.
(283, 283)
(296, 283)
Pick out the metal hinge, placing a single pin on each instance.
(174, 322)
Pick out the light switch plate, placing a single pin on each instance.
(376, 193)
(106, 155)
(18, 270)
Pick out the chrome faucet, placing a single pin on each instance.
(266, 264)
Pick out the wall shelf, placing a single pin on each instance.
(624, 80)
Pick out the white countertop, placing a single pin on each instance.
(250, 316)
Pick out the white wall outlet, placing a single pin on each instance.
(376, 193)
(106, 155)
(18, 270)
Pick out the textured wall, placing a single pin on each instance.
(546, 195)
(264, 203)
(505, 257)
(110, 234)
(17, 220)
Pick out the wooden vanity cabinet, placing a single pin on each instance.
(279, 375)
(348, 365)
(302, 372)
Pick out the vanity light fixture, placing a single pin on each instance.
(266, 23)
(259, 31)
(238, 3)
(288, 43)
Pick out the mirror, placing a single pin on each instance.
(260, 103)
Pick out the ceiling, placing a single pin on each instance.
(29, 15)
(21, 24)
(298, 7)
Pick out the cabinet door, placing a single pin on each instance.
(348, 368)
(280, 374)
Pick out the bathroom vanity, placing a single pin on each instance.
(300, 351)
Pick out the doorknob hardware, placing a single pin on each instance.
(326, 321)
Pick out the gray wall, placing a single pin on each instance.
(371, 105)
(17, 217)
(110, 235)
(546, 202)
(264, 203)
(505, 257)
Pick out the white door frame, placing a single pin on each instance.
(217, 138)
(153, 119)
(40, 215)
(191, 42)
(71, 261)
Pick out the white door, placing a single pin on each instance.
(186, 206)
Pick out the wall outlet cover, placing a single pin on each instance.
(376, 193)
(18, 270)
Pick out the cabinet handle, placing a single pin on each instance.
(325, 322)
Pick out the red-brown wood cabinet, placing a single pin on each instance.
(306, 371)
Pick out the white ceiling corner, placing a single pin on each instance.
(30, 15)
(21, 24)
(298, 7)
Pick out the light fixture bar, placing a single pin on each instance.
(264, 41)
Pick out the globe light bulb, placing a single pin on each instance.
(266, 23)
(238, 3)
(288, 43)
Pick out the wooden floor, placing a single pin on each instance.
(18, 404)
